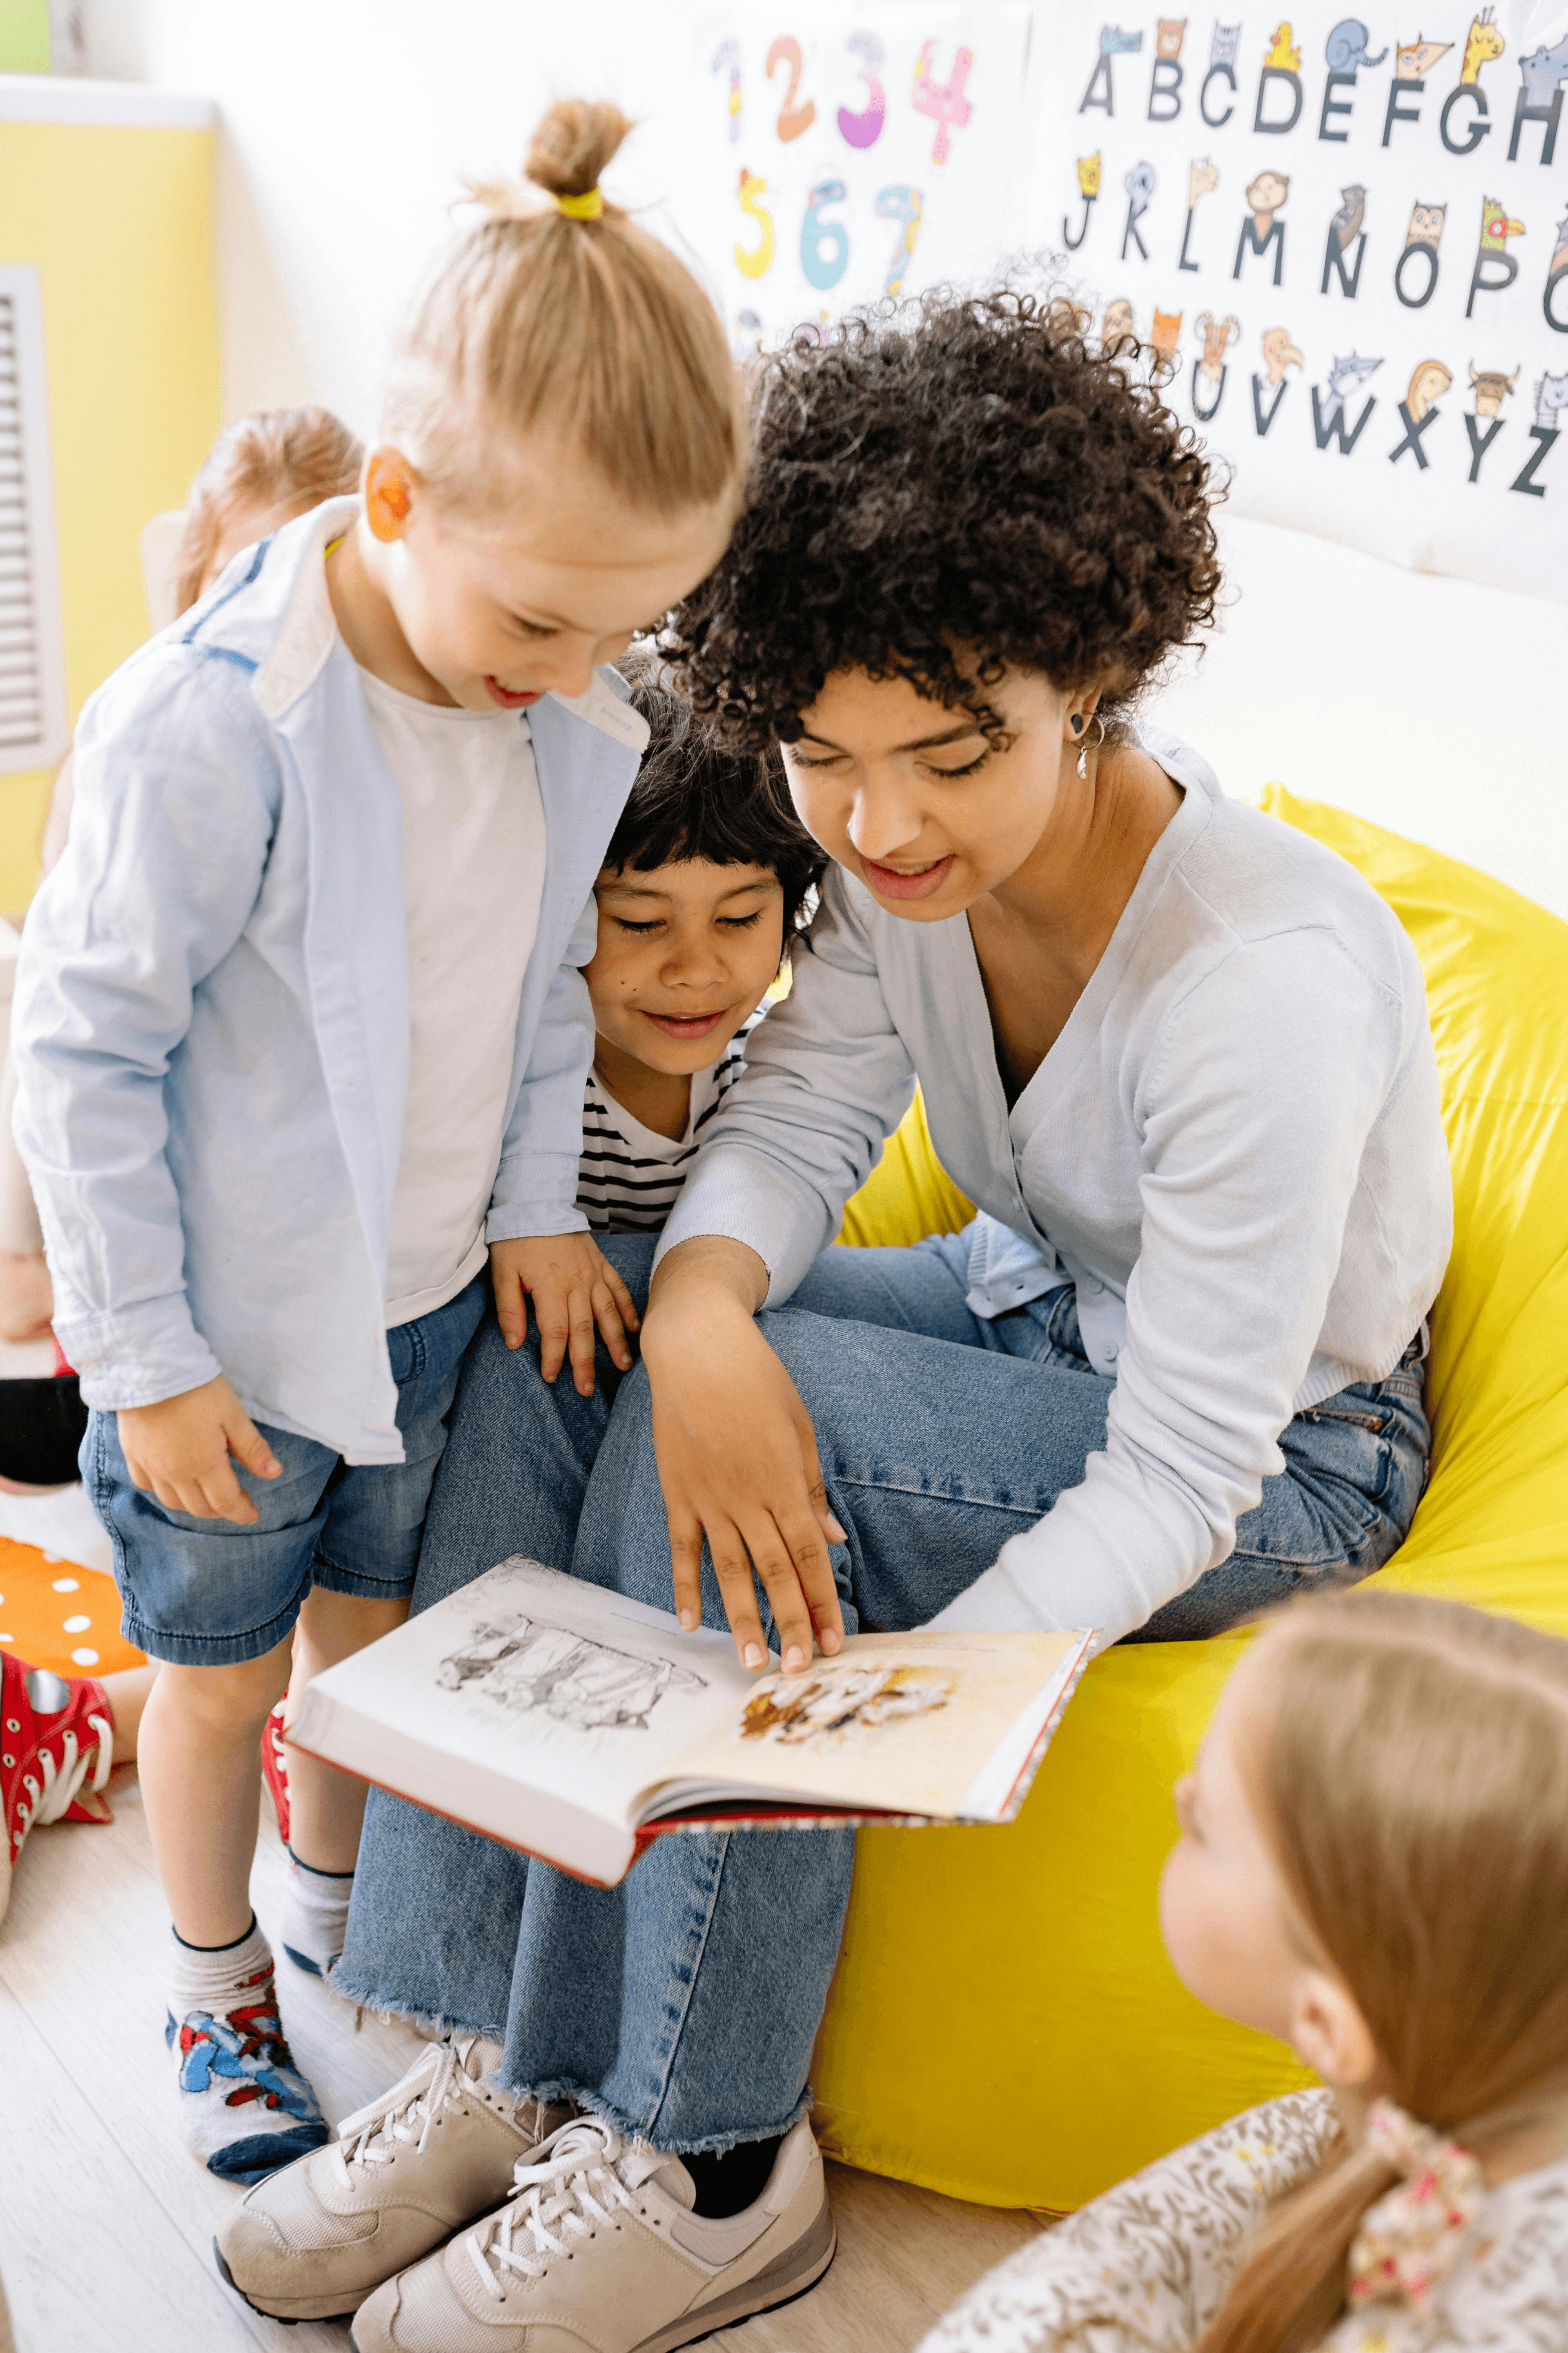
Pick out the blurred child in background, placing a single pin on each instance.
(1373, 1868)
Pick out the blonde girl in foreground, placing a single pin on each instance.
(1373, 1867)
(302, 1031)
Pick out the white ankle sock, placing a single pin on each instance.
(217, 1978)
(244, 2105)
(316, 1915)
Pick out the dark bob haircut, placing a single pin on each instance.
(941, 491)
(695, 798)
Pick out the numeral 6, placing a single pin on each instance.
(824, 244)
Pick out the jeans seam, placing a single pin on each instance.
(694, 1972)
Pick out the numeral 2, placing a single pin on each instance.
(943, 101)
(907, 207)
(864, 130)
(793, 119)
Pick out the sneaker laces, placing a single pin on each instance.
(62, 1782)
(373, 2134)
(579, 2184)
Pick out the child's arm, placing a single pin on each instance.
(168, 845)
(540, 1245)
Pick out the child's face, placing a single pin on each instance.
(1232, 1931)
(500, 614)
(685, 953)
(909, 796)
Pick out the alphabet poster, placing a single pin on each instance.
(835, 155)
(1350, 232)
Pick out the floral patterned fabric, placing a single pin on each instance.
(1145, 2268)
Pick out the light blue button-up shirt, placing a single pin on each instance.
(211, 1017)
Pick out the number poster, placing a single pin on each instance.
(1351, 234)
(838, 155)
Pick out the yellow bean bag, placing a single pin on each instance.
(1004, 2025)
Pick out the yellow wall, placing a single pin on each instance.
(119, 222)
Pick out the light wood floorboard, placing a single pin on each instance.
(106, 2222)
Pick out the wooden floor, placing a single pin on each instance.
(106, 2223)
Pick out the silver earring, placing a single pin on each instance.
(1083, 762)
(1085, 747)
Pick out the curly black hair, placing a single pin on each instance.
(695, 797)
(942, 489)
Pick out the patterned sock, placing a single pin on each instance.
(245, 2107)
(316, 1917)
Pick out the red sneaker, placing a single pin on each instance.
(275, 1765)
(57, 1745)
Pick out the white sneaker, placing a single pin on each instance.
(601, 2248)
(431, 2154)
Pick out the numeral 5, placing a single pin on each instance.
(756, 263)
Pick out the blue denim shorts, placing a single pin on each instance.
(205, 1593)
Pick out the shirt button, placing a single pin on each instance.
(1093, 1288)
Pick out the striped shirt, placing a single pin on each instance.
(629, 1176)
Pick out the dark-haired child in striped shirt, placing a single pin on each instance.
(706, 880)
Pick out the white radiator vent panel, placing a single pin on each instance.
(33, 725)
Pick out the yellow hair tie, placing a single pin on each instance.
(588, 208)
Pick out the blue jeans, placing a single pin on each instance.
(205, 1593)
(684, 2003)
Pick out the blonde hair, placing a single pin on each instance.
(589, 328)
(287, 459)
(1408, 1762)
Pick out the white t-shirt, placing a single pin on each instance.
(473, 868)
(629, 1177)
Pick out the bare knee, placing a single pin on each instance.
(333, 1626)
(233, 1701)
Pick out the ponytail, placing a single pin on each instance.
(1407, 1762)
(559, 314)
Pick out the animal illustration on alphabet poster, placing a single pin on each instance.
(1379, 201)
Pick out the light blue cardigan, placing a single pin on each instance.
(211, 1017)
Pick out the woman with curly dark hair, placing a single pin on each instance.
(1179, 1057)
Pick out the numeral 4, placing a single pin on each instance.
(943, 101)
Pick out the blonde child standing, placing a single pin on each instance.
(301, 1030)
(1373, 1867)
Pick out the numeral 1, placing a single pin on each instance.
(727, 53)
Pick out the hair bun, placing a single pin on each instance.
(573, 145)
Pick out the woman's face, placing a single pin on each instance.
(912, 799)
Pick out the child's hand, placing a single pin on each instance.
(573, 1287)
(180, 1449)
(27, 1300)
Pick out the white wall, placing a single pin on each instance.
(1427, 704)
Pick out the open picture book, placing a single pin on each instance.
(577, 1725)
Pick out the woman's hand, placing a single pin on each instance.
(573, 1287)
(737, 1456)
